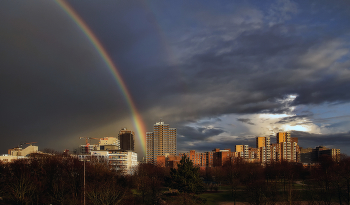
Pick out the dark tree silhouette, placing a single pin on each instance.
(149, 180)
(232, 175)
(186, 177)
(104, 186)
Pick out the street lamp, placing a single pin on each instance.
(84, 176)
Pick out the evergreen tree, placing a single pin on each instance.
(186, 177)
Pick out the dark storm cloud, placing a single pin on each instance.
(245, 120)
(51, 81)
(242, 65)
(181, 61)
(198, 133)
(336, 140)
(254, 80)
(223, 143)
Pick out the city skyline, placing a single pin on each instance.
(221, 73)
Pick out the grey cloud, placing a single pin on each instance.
(298, 119)
(282, 10)
(53, 81)
(198, 133)
(245, 120)
(252, 70)
(228, 143)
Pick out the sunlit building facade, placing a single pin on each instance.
(263, 144)
(108, 151)
(243, 151)
(121, 161)
(160, 142)
(286, 148)
(19, 153)
(200, 159)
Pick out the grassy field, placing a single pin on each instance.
(217, 197)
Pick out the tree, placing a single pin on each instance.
(231, 174)
(344, 173)
(324, 181)
(20, 184)
(105, 186)
(252, 177)
(186, 177)
(149, 180)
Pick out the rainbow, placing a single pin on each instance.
(137, 120)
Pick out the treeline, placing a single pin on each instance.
(59, 179)
(291, 183)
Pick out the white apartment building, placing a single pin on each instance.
(108, 151)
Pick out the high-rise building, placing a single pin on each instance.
(263, 145)
(160, 142)
(126, 138)
(282, 137)
(243, 150)
(288, 147)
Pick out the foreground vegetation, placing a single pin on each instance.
(59, 179)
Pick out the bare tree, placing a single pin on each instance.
(105, 186)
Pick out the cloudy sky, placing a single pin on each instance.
(221, 72)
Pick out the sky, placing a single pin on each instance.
(221, 72)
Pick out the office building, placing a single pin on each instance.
(19, 153)
(126, 139)
(108, 151)
(322, 150)
(108, 143)
(121, 161)
(160, 142)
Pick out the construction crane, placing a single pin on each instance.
(23, 143)
(30, 143)
(88, 138)
(87, 142)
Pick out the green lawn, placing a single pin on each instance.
(220, 196)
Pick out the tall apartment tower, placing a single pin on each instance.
(264, 146)
(288, 148)
(243, 150)
(160, 142)
(126, 138)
